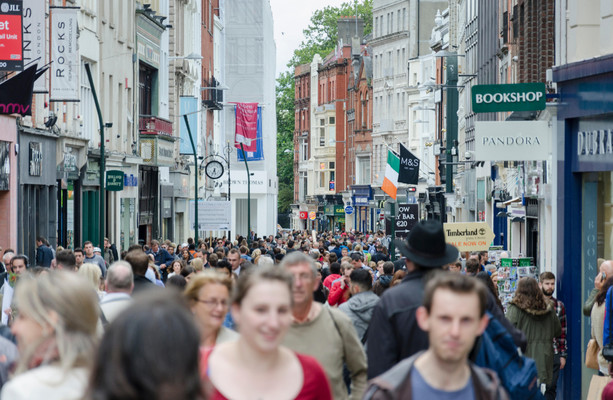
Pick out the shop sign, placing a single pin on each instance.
(34, 37)
(509, 97)
(36, 159)
(114, 180)
(349, 210)
(362, 201)
(512, 140)
(469, 236)
(595, 144)
(331, 185)
(165, 152)
(11, 45)
(304, 215)
(329, 210)
(408, 215)
(312, 215)
(130, 180)
(212, 215)
(65, 62)
(339, 210)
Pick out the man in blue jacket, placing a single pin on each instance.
(163, 259)
(44, 255)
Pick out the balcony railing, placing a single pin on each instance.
(151, 125)
(212, 98)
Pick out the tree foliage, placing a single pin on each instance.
(285, 140)
(321, 37)
(322, 33)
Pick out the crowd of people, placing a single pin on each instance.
(306, 316)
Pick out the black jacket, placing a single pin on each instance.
(394, 334)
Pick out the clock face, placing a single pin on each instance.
(214, 170)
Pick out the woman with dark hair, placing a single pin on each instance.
(262, 308)
(597, 322)
(536, 317)
(487, 280)
(186, 256)
(133, 359)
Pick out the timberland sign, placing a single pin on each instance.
(511, 97)
(469, 236)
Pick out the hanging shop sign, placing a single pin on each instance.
(64, 54)
(509, 97)
(512, 140)
(11, 37)
(469, 236)
(304, 215)
(114, 180)
(312, 215)
(34, 38)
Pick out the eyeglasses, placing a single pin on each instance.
(213, 303)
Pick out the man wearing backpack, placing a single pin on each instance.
(453, 315)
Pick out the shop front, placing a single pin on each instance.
(37, 215)
(362, 196)
(584, 199)
(8, 182)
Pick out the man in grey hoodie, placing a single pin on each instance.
(362, 302)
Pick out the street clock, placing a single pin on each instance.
(214, 169)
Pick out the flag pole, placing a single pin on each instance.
(248, 196)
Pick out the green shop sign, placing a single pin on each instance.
(339, 210)
(512, 97)
(114, 181)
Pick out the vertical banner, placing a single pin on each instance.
(188, 106)
(409, 167)
(64, 55)
(11, 44)
(258, 154)
(34, 36)
(246, 126)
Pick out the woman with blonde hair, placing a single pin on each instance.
(56, 337)
(208, 295)
(93, 275)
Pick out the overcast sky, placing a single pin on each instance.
(291, 17)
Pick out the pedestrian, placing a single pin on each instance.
(597, 324)
(91, 273)
(139, 261)
(44, 255)
(530, 312)
(339, 292)
(90, 257)
(394, 334)
(323, 332)
(208, 296)
(109, 256)
(605, 271)
(265, 369)
(56, 337)
(385, 278)
(162, 259)
(547, 283)
(176, 267)
(134, 360)
(453, 316)
(362, 302)
(119, 285)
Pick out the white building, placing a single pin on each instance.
(401, 32)
(250, 54)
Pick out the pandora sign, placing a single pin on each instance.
(512, 141)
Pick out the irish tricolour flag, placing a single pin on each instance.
(390, 182)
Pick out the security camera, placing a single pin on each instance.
(468, 155)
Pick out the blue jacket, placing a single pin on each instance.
(606, 335)
(44, 256)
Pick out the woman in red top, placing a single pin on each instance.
(256, 365)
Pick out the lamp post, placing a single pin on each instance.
(191, 139)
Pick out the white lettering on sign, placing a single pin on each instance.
(4, 25)
(597, 142)
(513, 97)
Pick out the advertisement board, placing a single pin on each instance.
(11, 35)
(64, 54)
(512, 140)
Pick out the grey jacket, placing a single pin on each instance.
(359, 309)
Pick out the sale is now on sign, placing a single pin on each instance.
(469, 236)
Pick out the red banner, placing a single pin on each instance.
(246, 126)
(304, 215)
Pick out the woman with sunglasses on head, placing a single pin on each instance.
(262, 308)
(208, 295)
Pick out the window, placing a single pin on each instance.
(322, 179)
(322, 122)
(399, 60)
(399, 26)
(322, 137)
(404, 18)
(331, 164)
(331, 176)
(332, 120)
(392, 23)
(87, 106)
(304, 150)
(376, 26)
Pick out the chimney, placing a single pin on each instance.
(347, 30)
